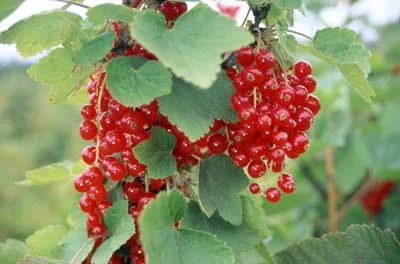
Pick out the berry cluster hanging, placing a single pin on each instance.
(274, 110)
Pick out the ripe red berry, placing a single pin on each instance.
(107, 122)
(80, 184)
(280, 117)
(97, 193)
(115, 141)
(93, 176)
(145, 199)
(285, 96)
(304, 118)
(310, 83)
(256, 168)
(89, 155)
(276, 155)
(301, 94)
(88, 112)
(279, 138)
(133, 122)
(273, 195)
(169, 10)
(133, 191)
(231, 72)
(88, 130)
(87, 205)
(313, 104)
(245, 56)
(265, 60)
(136, 169)
(288, 186)
(254, 188)
(299, 142)
(302, 69)
(217, 143)
(252, 77)
(117, 171)
(240, 159)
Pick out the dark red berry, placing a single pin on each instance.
(273, 195)
(302, 69)
(217, 143)
(256, 168)
(88, 130)
(245, 56)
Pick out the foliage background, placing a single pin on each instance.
(365, 138)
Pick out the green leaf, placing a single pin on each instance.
(390, 113)
(356, 79)
(102, 13)
(120, 226)
(156, 153)
(193, 110)
(8, 6)
(192, 48)
(59, 72)
(133, 85)
(76, 242)
(40, 260)
(287, 4)
(254, 214)
(163, 243)
(41, 32)
(340, 46)
(257, 2)
(95, 50)
(359, 244)
(239, 238)
(12, 251)
(45, 242)
(219, 185)
(58, 172)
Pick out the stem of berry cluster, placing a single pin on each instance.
(332, 190)
(71, 3)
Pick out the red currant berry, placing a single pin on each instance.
(302, 69)
(280, 117)
(169, 10)
(87, 205)
(240, 159)
(257, 168)
(88, 112)
(115, 141)
(133, 191)
(254, 188)
(107, 122)
(133, 122)
(117, 171)
(304, 119)
(299, 142)
(313, 104)
(245, 56)
(94, 176)
(231, 72)
(136, 169)
(217, 143)
(145, 199)
(285, 96)
(252, 77)
(264, 122)
(273, 195)
(88, 130)
(287, 186)
(265, 60)
(279, 138)
(80, 184)
(151, 112)
(99, 230)
(277, 155)
(97, 193)
(301, 94)
(310, 83)
(257, 150)
(89, 155)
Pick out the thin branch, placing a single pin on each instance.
(246, 17)
(367, 184)
(310, 176)
(299, 33)
(332, 190)
(71, 3)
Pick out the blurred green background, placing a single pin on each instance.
(365, 139)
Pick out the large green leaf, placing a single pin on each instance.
(76, 242)
(219, 185)
(53, 173)
(340, 46)
(12, 251)
(239, 238)
(359, 244)
(287, 4)
(163, 243)
(41, 32)
(135, 85)
(59, 72)
(192, 48)
(193, 110)
(101, 13)
(120, 227)
(254, 214)
(95, 50)
(45, 242)
(8, 6)
(355, 77)
(156, 153)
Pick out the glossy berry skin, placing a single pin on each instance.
(88, 130)
(80, 184)
(88, 112)
(136, 169)
(287, 186)
(256, 168)
(115, 141)
(145, 199)
(302, 69)
(87, 205)
(310, 83)
(299, 142)
(89, 155)
(133, 191)
(265, 60)
(93, 176)
(116, 171)
(97, 193)
(254, 188)
(313, 104)
(217, 143)
(273, 195)
(304, 118)
(245, 56)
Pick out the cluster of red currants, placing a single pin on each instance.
(274, 111)
(115, 130)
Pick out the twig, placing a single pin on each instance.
(310, 176)
(299, 33)
(332, 191)
(367, 184)
(71, 3)
(246, 17)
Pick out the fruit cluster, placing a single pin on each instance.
(115, 130)
(274, 111)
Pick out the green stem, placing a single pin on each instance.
(299, 33)
(71, 3)
(264, 253)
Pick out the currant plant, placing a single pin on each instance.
(190, 122)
